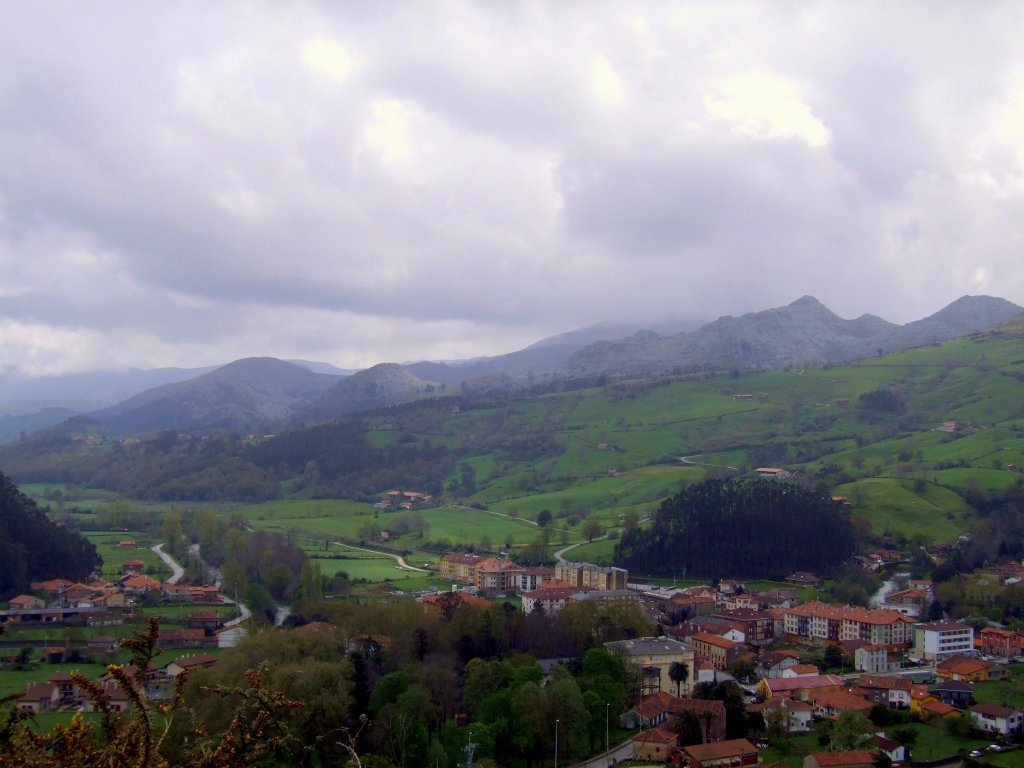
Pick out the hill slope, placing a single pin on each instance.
(804, 333)
(383, 385)
(249, 394)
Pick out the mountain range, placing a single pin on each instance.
(259, 394)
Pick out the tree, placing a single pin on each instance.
(255, 733)
(543, 517)
(742, 669)
(679, 673)
(833, 656)
(849, 730)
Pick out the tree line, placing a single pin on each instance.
(34, 548)
(756, 528)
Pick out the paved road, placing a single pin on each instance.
(176, 570)
(619, 755)
(563, 550)
(398, 558)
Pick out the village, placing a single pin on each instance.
(798, 661)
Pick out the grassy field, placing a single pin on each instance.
(114, 558)
(932, 743)
(1004, 693)
(895, 507)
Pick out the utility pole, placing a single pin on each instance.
(556, 744)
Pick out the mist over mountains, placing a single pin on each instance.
(259, 394)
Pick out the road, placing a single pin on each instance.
(398, 558)
(176, 570)
(496, 514)
(563, 550)
(686, 460)
(619, 755)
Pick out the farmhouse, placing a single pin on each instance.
(404, 500)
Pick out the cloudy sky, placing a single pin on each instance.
(189, 183)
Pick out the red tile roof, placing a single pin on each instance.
(850, 757)
(720, 749)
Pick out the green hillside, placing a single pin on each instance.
(590, 454)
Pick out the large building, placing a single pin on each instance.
(592, 576)
(826, 622)
(655, 656)
(489, 573)
(939, 639)
(459, 566)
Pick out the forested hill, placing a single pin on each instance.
(762, 528)
(33, 548)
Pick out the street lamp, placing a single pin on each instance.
(556, 744)
(607, 749)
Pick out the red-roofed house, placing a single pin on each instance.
(1000, 642)
(25, 603)
(795, 715)
(720, 651)
(655, 745)
(891, 690)
(188, 663)
(969, 670)
(801, 670)
(831, 703)
(722, 754)
(799, 687)
(39, 697)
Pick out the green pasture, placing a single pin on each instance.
(932, 743)
(988, 479)
(1005, 693)
(372, 569)
(14, 681)
(607, 496)
(288, 509)
(114, 558)
(599, 552)
(892, 506)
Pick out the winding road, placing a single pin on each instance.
(398, 558)
(177, 572)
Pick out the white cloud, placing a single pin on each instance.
(761, 106)
(363, 184)
(328, 58)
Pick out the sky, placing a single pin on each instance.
(189, 183)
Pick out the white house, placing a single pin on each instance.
(993, 719)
